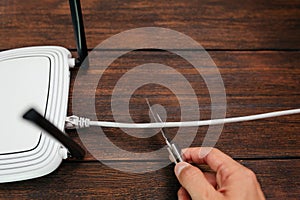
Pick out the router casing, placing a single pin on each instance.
(36, 77)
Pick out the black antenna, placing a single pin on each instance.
(78, 27)
(35, 117)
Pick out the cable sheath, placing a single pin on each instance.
(194, 123)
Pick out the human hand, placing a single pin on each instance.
(231, 180)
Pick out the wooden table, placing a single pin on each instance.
(255, 45)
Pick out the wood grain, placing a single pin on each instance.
(255, 45)
(279, 179)
(215, 24)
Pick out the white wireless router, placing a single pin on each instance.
(37, 77)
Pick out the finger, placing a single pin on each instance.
(183, 194)
(211, 156)
(222, 164)
(194, 181)
(193, 154)
(211, 178)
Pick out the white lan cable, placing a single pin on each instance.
(73, 122)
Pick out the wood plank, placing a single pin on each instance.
(280, 179)
(215, 24)
(255, 82)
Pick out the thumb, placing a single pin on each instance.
(194, 181)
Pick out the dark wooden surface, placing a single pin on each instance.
(255, 45)
(279, 180)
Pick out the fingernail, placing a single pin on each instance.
(182, 153)
(180, 198)
(180, 166)
(204, 151)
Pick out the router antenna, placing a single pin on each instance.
(79, 33)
